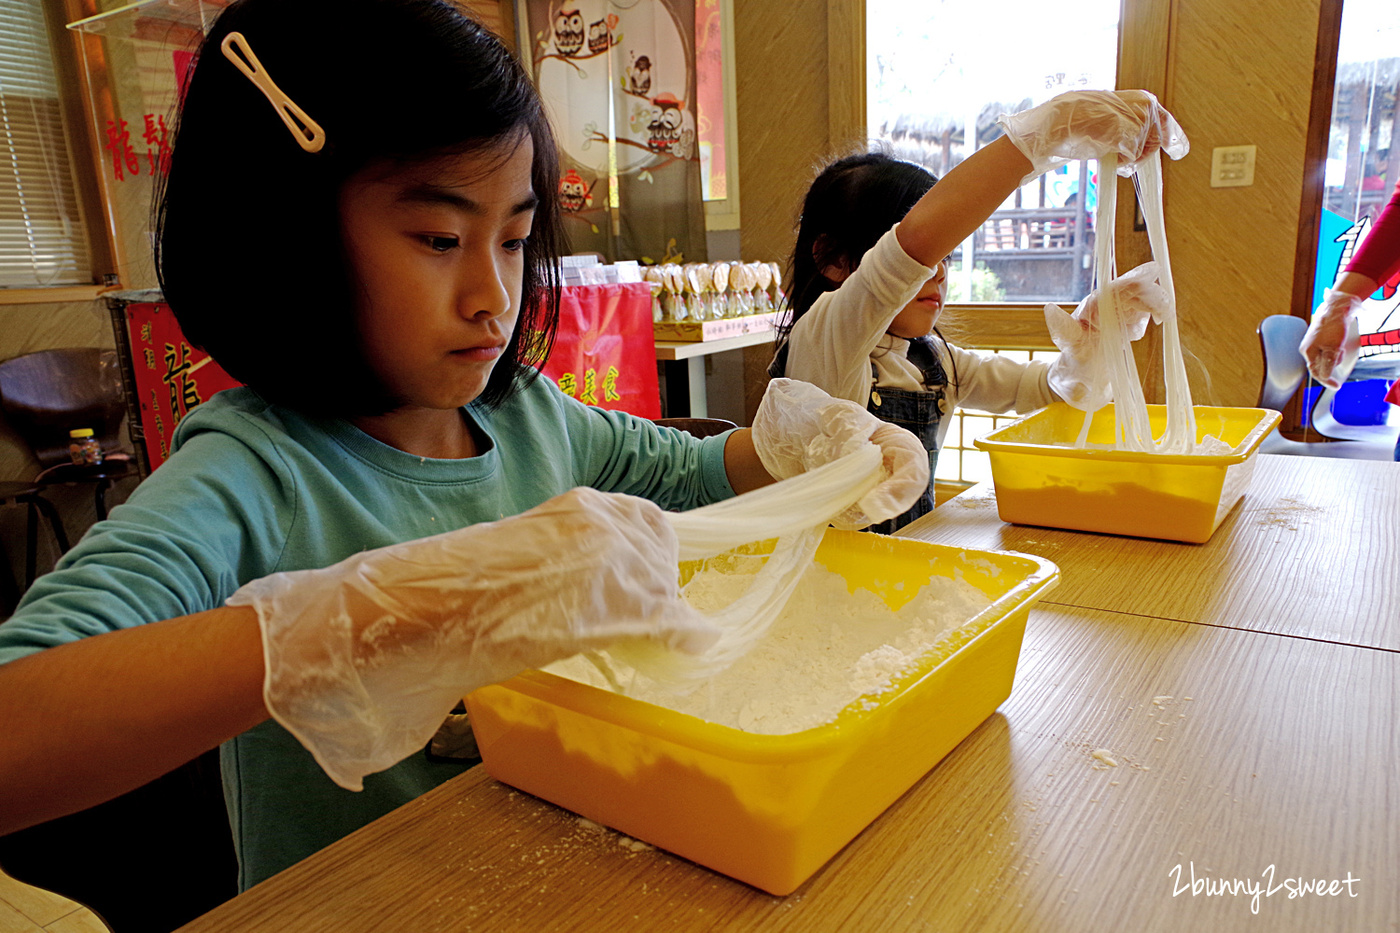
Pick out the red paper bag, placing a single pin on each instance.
(604, 353)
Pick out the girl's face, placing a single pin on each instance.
(918, 316)
(437, 252)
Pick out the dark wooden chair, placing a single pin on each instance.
(48, 393)
(155, 858)
(700, 427)
(31, 496)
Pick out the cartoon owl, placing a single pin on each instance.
(639, 76)
(665, 125)
(573, 193)
(568, 32)
(599, 37)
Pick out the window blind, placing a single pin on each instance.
(43, 240)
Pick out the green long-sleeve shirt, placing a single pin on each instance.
(252, 489)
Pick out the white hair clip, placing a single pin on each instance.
(306, 131)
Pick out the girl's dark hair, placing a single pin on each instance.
(249, 252)
(853, 202)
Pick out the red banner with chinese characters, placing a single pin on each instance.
(171, 377)
(605, 353)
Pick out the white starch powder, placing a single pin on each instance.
(828, 648)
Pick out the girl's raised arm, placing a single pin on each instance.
(952, 209)
(1074, 125)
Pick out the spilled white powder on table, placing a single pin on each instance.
(598, 830)
(828, 648)
(1105, 756)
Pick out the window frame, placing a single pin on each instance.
(723, 213)
(101, 252)
(1143, 27)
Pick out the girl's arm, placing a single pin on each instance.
(364, 658)
(998, 384)
(955, 207)
(93, 719)
(741, 463)
(1073, 125)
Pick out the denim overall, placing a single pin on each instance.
(919, 412)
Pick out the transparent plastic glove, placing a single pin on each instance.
(1080, 375)
(1092, 124)
(799, 427)
(1333, 339)
(367, 657)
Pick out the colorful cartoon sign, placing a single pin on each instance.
(619, 82)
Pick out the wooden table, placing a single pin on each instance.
(685, 394)
(1313, 550)
(1232, 750)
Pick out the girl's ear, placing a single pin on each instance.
(833, 268)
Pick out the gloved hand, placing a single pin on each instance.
(1092, 124)
(367, 657)
(1333, 341)
(798, 427)
(1080, 375)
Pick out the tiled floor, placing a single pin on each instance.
(24, 909)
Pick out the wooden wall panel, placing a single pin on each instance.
(1237, 73)
(496, 15)
(1144, 56)
(780, 56)
(845, 56)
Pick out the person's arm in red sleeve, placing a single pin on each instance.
(1375, 261)
(1378, 258)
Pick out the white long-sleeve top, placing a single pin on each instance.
(833, 345)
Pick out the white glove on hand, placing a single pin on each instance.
(367, 657)
(1333, 341)
(799, 427)
(1092, 124)
(1080, 375)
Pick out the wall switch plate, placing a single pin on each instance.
(1232, 166)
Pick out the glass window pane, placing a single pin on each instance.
(1362, 173)
(977, 466)
(975, 426)
(954, 437)
(43, 239)
(948, 466)
(709, 91)
(940, 75)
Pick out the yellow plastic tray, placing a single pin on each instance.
(770, 809)
(1041, 478)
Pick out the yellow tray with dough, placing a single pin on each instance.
(1042, 478)
(770, 810)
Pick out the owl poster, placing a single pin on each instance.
(618, 79)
